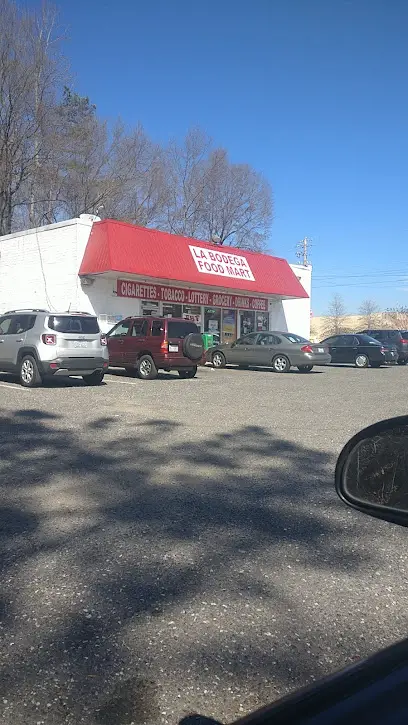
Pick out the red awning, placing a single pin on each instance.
(130, 250)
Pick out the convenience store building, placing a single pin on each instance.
(114, 269)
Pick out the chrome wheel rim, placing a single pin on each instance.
(361, 361)
(217, 360)
(145, 367)
(280, 364)
(27, 371)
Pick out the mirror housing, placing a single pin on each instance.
(372, 471)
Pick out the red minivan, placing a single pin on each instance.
(144, 345)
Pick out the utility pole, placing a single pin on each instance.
(302, 250)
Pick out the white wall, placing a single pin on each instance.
(293, 315)
(39, 267)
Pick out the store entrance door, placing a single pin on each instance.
(229, 326)
(246, 322)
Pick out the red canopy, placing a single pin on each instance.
(130, 250)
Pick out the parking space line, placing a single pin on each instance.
(11, 386)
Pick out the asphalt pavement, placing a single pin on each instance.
(174, 546)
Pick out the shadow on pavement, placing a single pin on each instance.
(113, 547)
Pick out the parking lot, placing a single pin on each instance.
(177, 545)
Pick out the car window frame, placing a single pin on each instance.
(245, 341)
(162, 329)
(110, 334)
(144, 325)
(276, 340)
(6, 317)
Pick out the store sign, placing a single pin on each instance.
(160, 293)
(220, 263)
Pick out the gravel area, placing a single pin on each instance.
(176, 545)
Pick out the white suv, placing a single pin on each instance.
(37, 344)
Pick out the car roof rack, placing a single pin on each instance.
(24, 309)
(75, 312)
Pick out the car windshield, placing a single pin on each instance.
(74, 323)
(293, 338)
(178, 328)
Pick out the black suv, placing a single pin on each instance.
(393, 337)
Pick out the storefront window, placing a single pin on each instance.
(172, 310)
(212, 320)
(262, 321)
(229, 325)
(150, 308)
(247, 322)
(192, 313)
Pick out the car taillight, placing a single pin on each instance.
(306, 348)
(104, 340)
(49, 339)
(404, 340)
(164, 346)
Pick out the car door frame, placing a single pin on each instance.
(119, 340)
(135, 343)
(267, 352)
(238, 353)
(6, 346)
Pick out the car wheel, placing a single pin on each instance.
(146, 369)
(190, 373)
(362, 361)
(94, 378)
(218, 360)
(30, 376)
(305, 368)
(402, 362)
(280, 364)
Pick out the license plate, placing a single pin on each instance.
(80, 343)
(173, 348)
(320, 349)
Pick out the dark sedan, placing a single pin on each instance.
(276, 350)
(359, 349)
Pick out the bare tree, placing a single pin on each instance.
(137, 171)
(29, 72)
(208, 197)
(185, 181)
(368, 312)
(398, 317)
(336, 319)
(237, 205)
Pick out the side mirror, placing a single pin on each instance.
(372, 471)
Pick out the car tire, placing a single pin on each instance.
(218, 359)
(190, 373)
(305, 368)
(94, 378)
(30, 376)
(402, 362)
(280, 364)
(146, 369)
(361, 361)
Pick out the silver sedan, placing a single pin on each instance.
(278, 350)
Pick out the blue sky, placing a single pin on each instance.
(311, 92)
